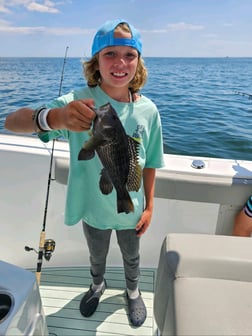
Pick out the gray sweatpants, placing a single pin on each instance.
(98, 244)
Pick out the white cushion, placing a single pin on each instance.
(213, 307)
(204, 285)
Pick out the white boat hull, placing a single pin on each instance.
(187, 200)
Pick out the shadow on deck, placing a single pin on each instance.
(62, 289)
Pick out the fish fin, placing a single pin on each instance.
(138, 140)
(135, 171)
(86, 154)
(124, 203)
(135, 180)
(88, 150)
(105, 184)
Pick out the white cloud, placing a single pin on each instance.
(4, 23)
(45, 6)
(182, 26)
(7, 28)
(154, 31)
(227, 24)
(3, 9)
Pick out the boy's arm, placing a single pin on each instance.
(149, 188)
(242, 225)
(76, 116)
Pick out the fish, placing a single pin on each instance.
(118, 154)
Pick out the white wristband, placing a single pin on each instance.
(42, 120)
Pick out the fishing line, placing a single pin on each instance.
(46, 247)
(52, 150)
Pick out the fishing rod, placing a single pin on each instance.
(47, 246)
(244, 94)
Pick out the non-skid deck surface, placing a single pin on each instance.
(61, 290)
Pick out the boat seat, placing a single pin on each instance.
(204, 285)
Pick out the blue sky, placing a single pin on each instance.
(172, 28)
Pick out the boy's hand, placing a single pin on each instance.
(77, 116)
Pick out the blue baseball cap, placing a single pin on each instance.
(105, 37)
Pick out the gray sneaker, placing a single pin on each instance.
(90, 300)
(137, 310)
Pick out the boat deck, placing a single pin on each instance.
(61, 290)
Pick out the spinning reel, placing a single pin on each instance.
(48, 249)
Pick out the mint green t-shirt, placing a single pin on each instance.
(84, 198)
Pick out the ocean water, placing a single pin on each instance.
(201, 112)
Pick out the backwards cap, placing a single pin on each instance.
(105, 37)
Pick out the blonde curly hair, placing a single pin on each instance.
(93, 77)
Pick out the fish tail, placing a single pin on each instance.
(124, 203)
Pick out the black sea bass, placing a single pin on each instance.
(118, 154)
